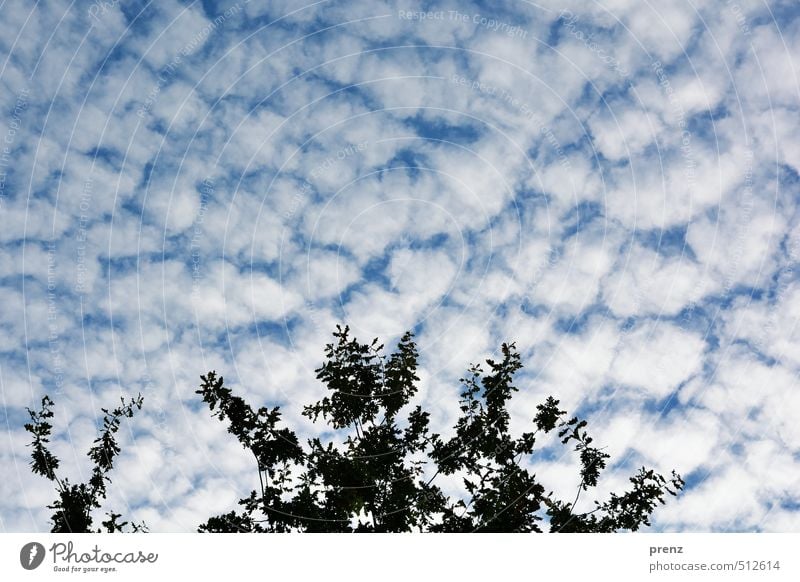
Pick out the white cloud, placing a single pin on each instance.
(647, 282)
(656, 358)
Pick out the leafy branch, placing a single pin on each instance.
(76, 502)
(372, 480)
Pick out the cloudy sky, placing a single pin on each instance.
(197, 185)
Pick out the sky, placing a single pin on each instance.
(199, 185)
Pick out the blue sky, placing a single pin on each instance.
(614, 186)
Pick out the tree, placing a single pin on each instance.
(372, 479)
(76, 502)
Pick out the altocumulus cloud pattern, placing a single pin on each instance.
(197, 185)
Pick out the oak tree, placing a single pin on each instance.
(377, 470)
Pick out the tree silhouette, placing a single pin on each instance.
(372, 478)
(76, 502)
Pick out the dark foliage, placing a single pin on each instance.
(373, 480)
(75, 503)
